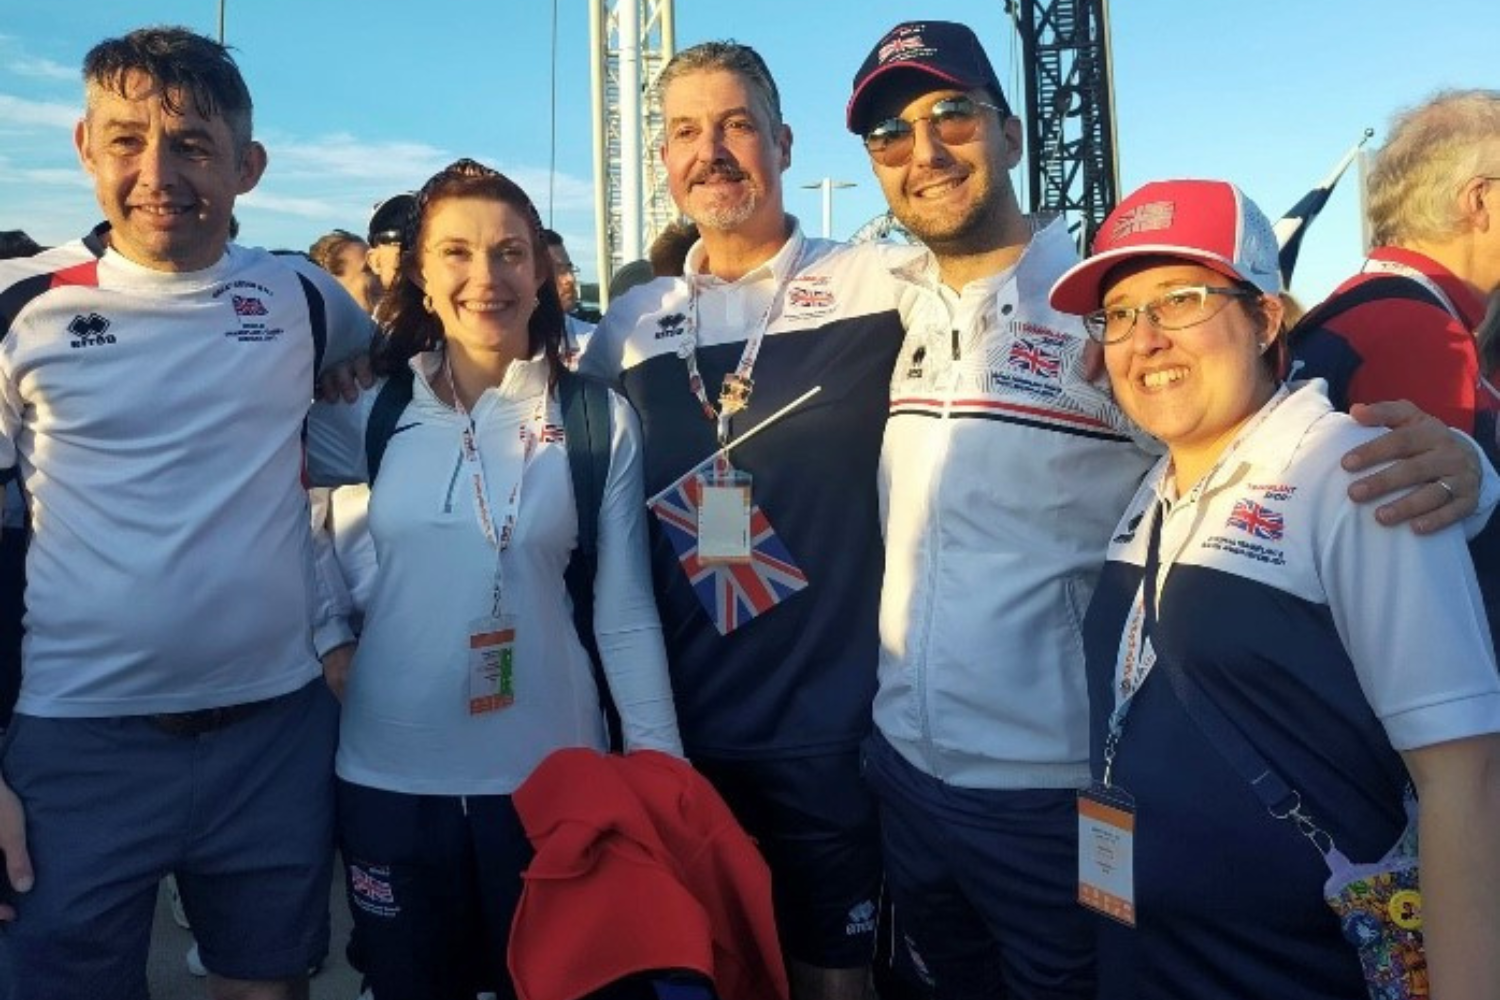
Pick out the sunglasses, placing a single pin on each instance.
(954, 119)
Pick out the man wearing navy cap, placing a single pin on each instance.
(1002, 474)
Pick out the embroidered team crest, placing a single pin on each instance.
(1030, 360)
(1034, 357)
(248, 301)
(248, 305)
(899, 46)
(809, 296)
(1256, 520)
(1143, 219)
(371, 890)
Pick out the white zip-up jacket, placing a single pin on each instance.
(406, 727)
(1002, 475)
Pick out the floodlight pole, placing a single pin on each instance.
(828, 184)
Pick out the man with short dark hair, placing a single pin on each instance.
(153, 382)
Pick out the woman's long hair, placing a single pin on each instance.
(409, 328)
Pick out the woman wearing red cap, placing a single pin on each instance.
(1263, 689)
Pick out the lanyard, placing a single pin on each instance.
(1407, 271)
(497, 533)
(734, 394)
(1136, 655)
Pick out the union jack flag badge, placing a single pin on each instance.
(248, 305)
(732, 593)
(1145, 218)
(1257, 521)
(1035, 357)
(373, 884)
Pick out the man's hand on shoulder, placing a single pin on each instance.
(344, 379)
(1435, 469)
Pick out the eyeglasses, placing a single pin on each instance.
(1177, 309)
(955, 119)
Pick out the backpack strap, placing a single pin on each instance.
(389, 404)
(1326, 354)
(1386, 286)
(317, 318)
(587, 431)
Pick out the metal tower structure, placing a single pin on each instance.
(1073, 166)
(631, 41)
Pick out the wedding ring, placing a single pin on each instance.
(1446, 488)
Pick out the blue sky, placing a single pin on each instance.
(356, 99)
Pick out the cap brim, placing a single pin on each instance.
(855, 111)
(1080, 290)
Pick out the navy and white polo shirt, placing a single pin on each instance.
(1332, 643)
(799, 678)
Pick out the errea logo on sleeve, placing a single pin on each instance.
(89, 331)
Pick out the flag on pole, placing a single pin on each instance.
(1291, 226)
(731, 592)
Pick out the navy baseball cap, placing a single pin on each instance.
(947, 52)
(389, 221)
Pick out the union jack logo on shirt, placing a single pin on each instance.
(809, 298)
(731, 593)
(1034, 357)
(1253, 519)
(248, 305)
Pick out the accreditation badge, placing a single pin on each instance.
(724, 516)
(1106, 852)
(492, 664)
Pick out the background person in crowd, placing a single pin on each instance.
(772, 661)
(190, 733)
(432, 743)
(387, 222)
(668, 252)
(15, 243)
(578, 327)
(1404, 326)
(346, 257)
(13, 533)
(637, 272)
(1242, 576)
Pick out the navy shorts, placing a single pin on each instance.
(984, 884)
(243, 815)
(433, 882)
(815, 822)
